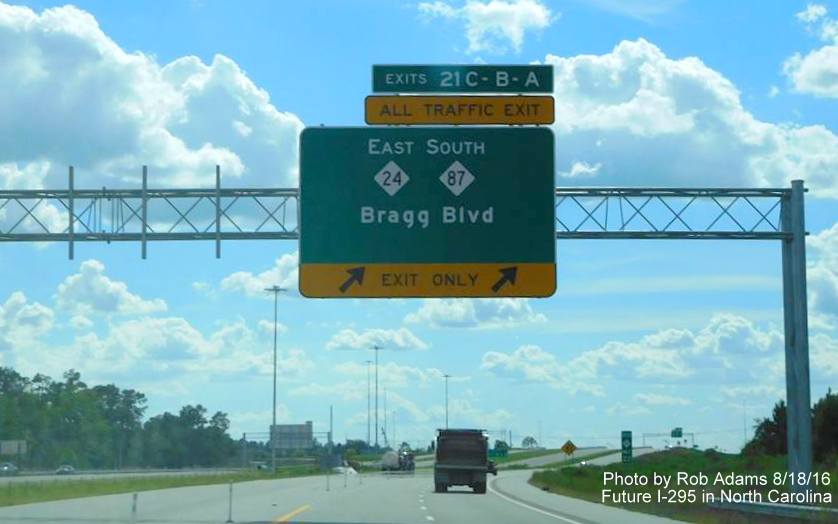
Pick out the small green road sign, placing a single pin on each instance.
(677, 433)
(430, 212)
(625, 439)
(462, 78)
(498, 453)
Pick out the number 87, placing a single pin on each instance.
(452, 177)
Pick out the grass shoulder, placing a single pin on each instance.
(588, 482)
(28, 492)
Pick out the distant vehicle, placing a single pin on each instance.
(390, 461)
(65, 469)
(402, 460)
(462, 459)
(7, 469)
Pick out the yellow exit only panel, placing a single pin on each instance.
(477, 110)
(427, 280)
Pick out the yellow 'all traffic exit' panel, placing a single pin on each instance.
(479, 110)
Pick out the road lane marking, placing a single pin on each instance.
(423, 508)
(533, 508)
(288, 516)
(428, 517)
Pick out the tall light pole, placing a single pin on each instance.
(275, 290)
(447, 376)
(376, 348)
(369, 442)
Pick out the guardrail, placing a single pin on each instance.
(784, 511)
(52, 473)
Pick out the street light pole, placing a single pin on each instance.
(368, 402)
(447, 376)
(376, 348)
(275, 290)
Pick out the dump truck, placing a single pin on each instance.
(462, 459)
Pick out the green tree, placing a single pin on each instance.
(529, 442)
(770, 434)
(825, 427)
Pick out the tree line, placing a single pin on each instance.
(770, 433)
(103, 427)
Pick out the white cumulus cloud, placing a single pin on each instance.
(91, 291)
(822, 273)
(284, 273)
(23, 323)
(646, 119)
(75, 97)
(728, 348)
(816, 73)
(491, 26)
(401, 338)
(475, 313)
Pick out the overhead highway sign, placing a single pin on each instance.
(427, 212)
(462, 78)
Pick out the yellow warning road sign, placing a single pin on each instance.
(479, 110)
(568, 448)
(427, 280)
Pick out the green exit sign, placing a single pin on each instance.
(462, 78)
(427, 212)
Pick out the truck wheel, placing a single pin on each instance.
(440, 487)
(480, 488)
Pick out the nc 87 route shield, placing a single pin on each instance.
(431, 212)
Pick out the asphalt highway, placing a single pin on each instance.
(374, 498)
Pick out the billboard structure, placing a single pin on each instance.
(293, 436)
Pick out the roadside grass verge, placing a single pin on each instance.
(576, 460)
(524, 455)
(27, 492)
(587, 482)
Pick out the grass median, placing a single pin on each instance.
(27, 492)
(587, 482)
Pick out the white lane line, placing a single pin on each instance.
(532, 508)
(423, 508)
(428, 517)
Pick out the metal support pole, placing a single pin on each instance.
(273, 416)
(795, 313)
(217, 211)
(244, 450)
(134, 508)
(369, 442)
(376, 348)
(275, 290)
(446, 399)
(70, 211)
(144, 213)
(230, 506)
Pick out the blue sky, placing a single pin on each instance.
(641, 335)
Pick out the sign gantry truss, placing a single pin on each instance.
(581, 213)
(114, 215)
(675, 213)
